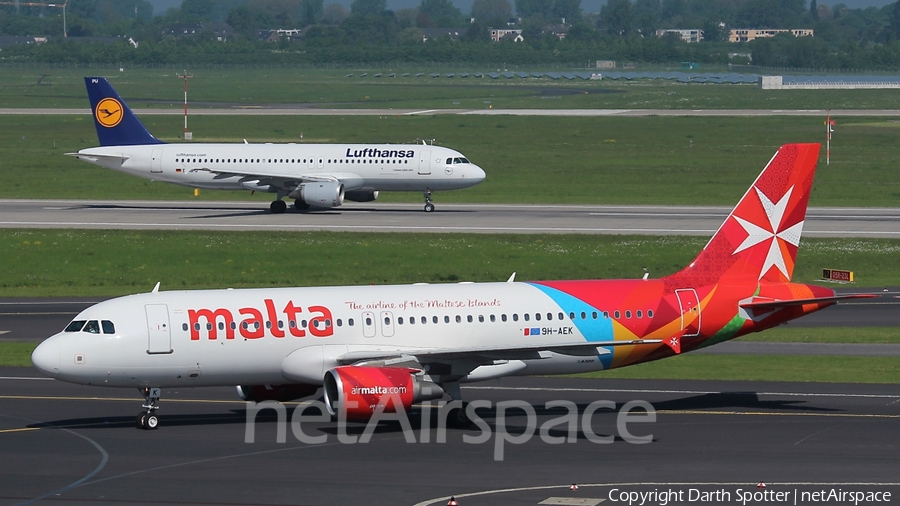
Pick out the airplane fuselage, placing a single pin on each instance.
(388, 167)
(294, 335)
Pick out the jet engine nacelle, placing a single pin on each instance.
(361, 195)
(361, 390)
(280, 393)
(327, 194)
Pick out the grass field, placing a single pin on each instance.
(661, 160)
(330, 88)
(92, 262)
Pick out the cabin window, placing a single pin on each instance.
(339, 322)
(640, 314)
(583, 315)
(503, 317)
(233, 325)
(594, 315)
(434, 319)
(400, 321)
(550, 316)
(221, 325)
(458, 319)
(628, 314)
(209, 325)
(350, 321)
(606, 314)
(412, 320)
(76, 326)
(447, 319)
(649, 313)
(368, 321)
(184, 327)
(617, 315)
(425, 320)
(526, 316)
(303, 323)
(268, 324)
(561, 316)
(493, 319)
(515, 317)
(387, 320)
(537, 317)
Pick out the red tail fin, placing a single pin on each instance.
(759, 239)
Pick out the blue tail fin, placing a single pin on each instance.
(116, 124)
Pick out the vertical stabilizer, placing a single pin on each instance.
(759, 239)
(116, 124)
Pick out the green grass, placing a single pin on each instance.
(854, 335)
(826, 369)
(527, 159)
(93, 262)
(15, 354)
(330, 88)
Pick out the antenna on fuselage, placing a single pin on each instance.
(156, 288)
(646, 274)
(512, 278)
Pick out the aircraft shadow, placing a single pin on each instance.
(737, 401)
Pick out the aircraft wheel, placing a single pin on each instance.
(278, 206)
(300, 205)
(458, 418)
(429, 207)
(141, 420)
(151, 421)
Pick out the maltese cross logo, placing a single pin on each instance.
(773, 231)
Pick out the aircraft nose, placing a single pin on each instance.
(46, 358)
(477, 173)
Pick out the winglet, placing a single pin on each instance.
(674, 342)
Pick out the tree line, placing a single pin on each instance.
(623, 30)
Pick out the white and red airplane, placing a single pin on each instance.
(317, 175)
(420, 341)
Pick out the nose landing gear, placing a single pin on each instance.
(429, 207)
(148, 420)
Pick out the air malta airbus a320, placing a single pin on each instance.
(317, 175)
(418, 342)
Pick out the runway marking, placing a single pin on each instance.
(103, 460)
(20, 429)
(694, 392)
(429, 502)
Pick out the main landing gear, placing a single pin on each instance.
(148, 420)
(278, 206)
(457, 417)
(429, 207)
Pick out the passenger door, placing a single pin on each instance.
(159, 335)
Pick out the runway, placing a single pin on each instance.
(71, 445)
(376, 217)
(306, 110)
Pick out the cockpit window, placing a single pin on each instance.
(92, 327)
(75, 326)
(449, 161)
(108, 327)
(460, 160)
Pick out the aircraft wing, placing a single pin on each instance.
(270, 178)
(490, 353)
(767, 303)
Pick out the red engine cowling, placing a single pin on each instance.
(280, 393)
(369, 387)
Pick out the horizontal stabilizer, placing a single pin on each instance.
(93, 157)
(767, 303)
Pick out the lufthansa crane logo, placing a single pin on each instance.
(108, 112)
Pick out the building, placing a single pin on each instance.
(748, 34)
(514, 34)
(437, 33)
(687, 35)
(221, 31)
(606, 64)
